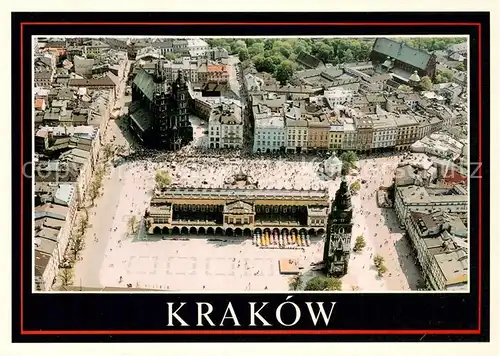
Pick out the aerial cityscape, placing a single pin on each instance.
(251, 164)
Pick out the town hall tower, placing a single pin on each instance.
(339, 233)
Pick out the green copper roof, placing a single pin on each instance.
(401, 52)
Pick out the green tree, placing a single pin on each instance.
(425, 83)
(91, 56)
(243, 54)
(322, 51)
(439, 79)
(295, 283)
(381, 270)
(66, 275)
(256, 49)
(321, 283)
(132, 223)
(268, 44)
(378, 260)
(237, 46)
(284, 71)
(301, 46)
(359, 244)
(264, 64)
(349, 159)
(283, 48)
(163, 179)
(431, 44)
(348, 56)
(108, 150)
(446, 74)
(460, 66)
(78, 244)
(355, 187)
(169, 56)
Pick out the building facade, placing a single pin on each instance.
(162, 120)
(225, 126)
(443, 261)
(364, 136)
(269, 134)
(384, 132)
(317, 134)
(335, 135)
(407, 131)
(236, 212)
(420, 199)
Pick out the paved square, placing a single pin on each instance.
(220, 266)
(201, 264)
(181, 265)
(142, 265)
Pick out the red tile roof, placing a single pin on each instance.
(216, 68)
(454, 177)
(39, 103)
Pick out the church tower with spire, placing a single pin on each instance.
(339, 232)
(183, 128)
(161, 94)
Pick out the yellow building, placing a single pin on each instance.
(335, 135)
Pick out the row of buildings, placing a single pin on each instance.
(71, 112)
(314, 124)
(431, 201)
(197, 70)
(353, 106)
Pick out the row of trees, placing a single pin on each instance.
(76, 245)
(431, 44)
(77, 239)
(96, 183)
(318, 283)
(278, 56)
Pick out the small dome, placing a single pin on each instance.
(388, 63)
(414, 77)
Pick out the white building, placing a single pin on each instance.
(225, 126)
(197, 47)
(384, 131)
(191, 46)
(148, 54)
(338, 96)
(252, 82)
(440, 145)
(416, 198)
(269, 134)
(332, 166)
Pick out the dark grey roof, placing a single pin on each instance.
(400, 51)
(308, 60)
(142, 118)
(144, 82)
